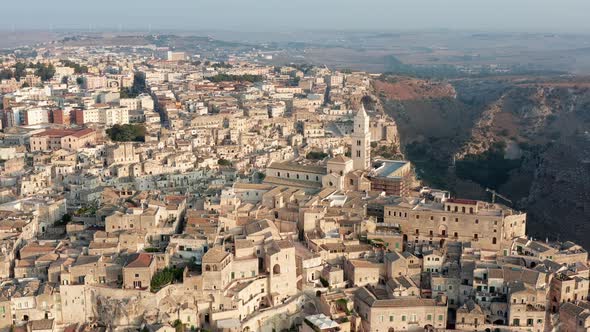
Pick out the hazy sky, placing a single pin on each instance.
(293, 15)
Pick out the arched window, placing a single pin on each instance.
(207, 267)
(494, 240)
(276, 269)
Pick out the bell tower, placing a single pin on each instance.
(361, 141)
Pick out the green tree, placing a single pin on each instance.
(78, 69)
(165, 277)
(127, 133)
(20, 70)
(45, 72)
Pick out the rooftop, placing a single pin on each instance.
(390, 168)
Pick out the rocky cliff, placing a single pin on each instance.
(527, 138)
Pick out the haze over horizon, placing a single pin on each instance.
(565, 16)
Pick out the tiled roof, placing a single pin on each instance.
(143, 260)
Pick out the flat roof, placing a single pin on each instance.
(389, 168)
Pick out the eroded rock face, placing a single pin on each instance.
(134, 311)
(121, 312)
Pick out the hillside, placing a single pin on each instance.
(525, 138)
(406, 88)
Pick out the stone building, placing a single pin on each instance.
(380, 312)
(485, 225)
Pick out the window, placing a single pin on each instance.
(429, 317)
(440, 317)
(391, 318)
(403, 318)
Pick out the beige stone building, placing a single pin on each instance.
(68, 139)
(485, 225)
(470, 317)
(381, 313)
(575, 317)
(138, 273)
(567, 288)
